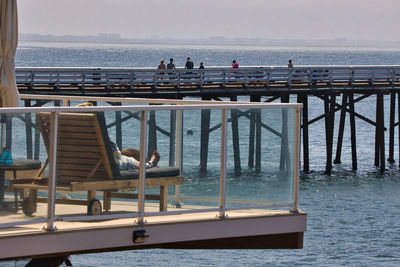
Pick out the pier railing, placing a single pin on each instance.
(271, 184)
(108, 80)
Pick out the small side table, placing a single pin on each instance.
(19, 165)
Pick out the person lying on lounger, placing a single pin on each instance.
(128, 158)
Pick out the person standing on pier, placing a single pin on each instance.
(235, 64)
(201, 66)
(189, 64)
(171, 65)
(290, 64)
(161, 67)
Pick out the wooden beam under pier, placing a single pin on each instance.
(353, 132)
(204, 135)
(341, 130)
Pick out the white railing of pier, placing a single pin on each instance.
(129, 78)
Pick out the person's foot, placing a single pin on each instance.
(155, 158)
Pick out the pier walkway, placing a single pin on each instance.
(340, 88)
(219, 81)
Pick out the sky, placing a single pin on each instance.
(373, 20)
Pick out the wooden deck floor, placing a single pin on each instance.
(247, 228)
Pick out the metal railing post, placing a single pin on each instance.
(52, 172)
(142, 167)
(66, 102)
(296, 164)
(222, 181)
(179, 150)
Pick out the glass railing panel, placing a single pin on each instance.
(200, 160)
(22, 155)
(260, 157)
(260, 160)
(92, 175)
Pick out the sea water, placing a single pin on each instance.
(353, 217)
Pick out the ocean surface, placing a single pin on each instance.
(353, 217)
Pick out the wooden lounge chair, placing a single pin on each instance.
(85, 162)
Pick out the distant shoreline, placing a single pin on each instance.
(211, 41)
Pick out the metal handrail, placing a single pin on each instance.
(64, 77)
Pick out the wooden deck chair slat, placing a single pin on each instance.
(77, 123)
(77, 148)
(74, 161)
(84, 167)
(75, 129)
(75, 135)
(77, 141)
(83, 154)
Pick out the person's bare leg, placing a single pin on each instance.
(131, 152)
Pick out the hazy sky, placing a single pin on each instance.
(278, 19)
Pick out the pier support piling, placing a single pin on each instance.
(172, 138)
(398, 119)
(258, 137)
(379, 134)
(329, 106)
(306, 151)
(204, 138)
(353, 132)
(391, 127)
(252, 125)
(235, 139)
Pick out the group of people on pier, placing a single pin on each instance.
(189, 64)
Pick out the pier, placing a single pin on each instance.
(339, 88)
